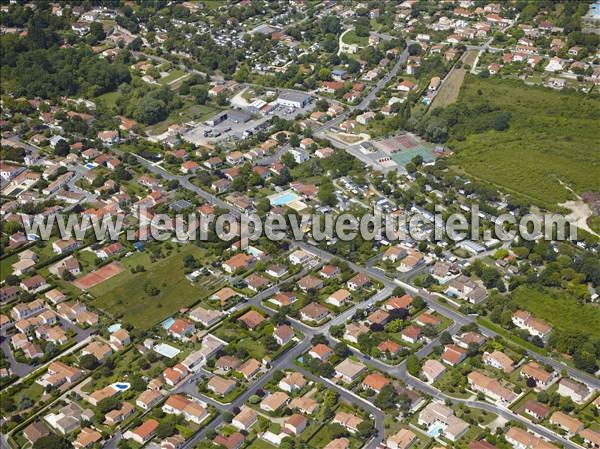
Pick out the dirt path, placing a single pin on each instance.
(580, 211)
(451, 85)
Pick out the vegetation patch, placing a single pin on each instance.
(146, 297)
(522, 139)
(561, 311)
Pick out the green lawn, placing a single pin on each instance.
(326, 434)
(172, 76)
(260, 444)
(109, 99)
(125, 296)
(189, 112)
(510, 336)
(5, 266)
(559, 310)
(552, 135)
(352, 38)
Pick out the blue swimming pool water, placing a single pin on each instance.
(166, 324)
(121, 386)
(595, 9)
(435, 429)
(166, 350)
(254, 251)
(284, 199)
(114, 327)
(90, 165)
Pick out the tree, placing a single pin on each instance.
(341, 349)
(366, 428)
(11, 279)
(52, 442)
(445, 338)
(165, 429)
(108, 404)
(201, 95)
(96, 33)
(386, 399)
(531, 383)
(318, 338)
(88, 362)
(413, 365)
(418, 303)
(61, 148)
(136, 44)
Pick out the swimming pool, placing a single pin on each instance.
(435, 429)
(91, 165)
(254, 251)
(121, 386)
(283, 198)
(114, 327)
(166, 350)
(166, 324)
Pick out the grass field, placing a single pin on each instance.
(351, 38)
(6, 266)
(125, 296)
(187, 113)
(172, 76)
(552, 135)
(109, 99)
(561, 311)
(451, 88)
(510, 336)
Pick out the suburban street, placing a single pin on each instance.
(399, 371)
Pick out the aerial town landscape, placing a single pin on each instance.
(153, 110)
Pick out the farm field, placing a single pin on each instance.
(127, 294)
(451, 87)
(561, 311)
(552, 135)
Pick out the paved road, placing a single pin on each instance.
(399, 371)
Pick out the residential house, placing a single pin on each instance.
(292, 382)
(349, 370)
(578, 392)
(490, 387)
(314, 312)
(432, 369)
(498, 360)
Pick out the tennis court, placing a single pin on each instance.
(403, 148)
(98, 276)
(404, 157)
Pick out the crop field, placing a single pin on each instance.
(552, 136)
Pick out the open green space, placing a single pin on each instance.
(128, 295)
(326, 434)
(172, 76)
(6, 266)
(189, 112)
(352, 38)
(109, 99)
(559, 310)
(552, 136)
